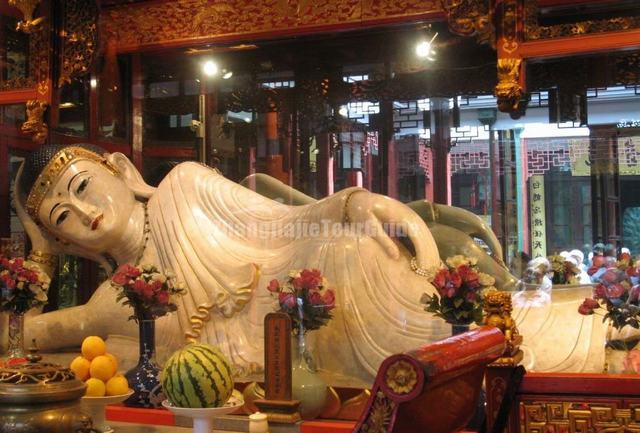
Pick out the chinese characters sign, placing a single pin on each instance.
(537, 217)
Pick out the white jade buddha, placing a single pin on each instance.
(226, 242)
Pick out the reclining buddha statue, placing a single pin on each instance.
(226, 242)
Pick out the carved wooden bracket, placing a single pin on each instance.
(27, 7)
(35, 125)
(508, 90)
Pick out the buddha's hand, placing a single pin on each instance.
(388, 221)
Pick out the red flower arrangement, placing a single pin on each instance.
(305, 298)
(460, 287)
(148, 291)
(21, 287)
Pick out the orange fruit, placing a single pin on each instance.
(95, 388)
(80, 367)
(102, 368)
(93, 346)
(117, 385)
(113, 359)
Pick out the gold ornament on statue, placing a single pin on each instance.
(54, 169)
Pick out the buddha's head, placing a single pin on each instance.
(79, 194)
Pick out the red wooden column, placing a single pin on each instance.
(440, 148)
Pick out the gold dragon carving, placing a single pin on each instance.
(508, 90)
(35, 125)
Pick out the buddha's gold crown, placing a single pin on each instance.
(54, 169)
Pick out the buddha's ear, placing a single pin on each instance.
(131, 175)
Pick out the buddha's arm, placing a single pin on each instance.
(68, 327)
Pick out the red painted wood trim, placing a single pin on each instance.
(327, 427)
(617, 385)
(584, 44)
(17, 96)
(140, 416)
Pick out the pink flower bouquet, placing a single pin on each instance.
(149, 292)
(21, 287)
(305, 298)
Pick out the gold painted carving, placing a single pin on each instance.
(401, 377)
(185, 21)
(35, 125)
(380, 415)
(508, 90)
(27, 7)
(470, 18)
(579, 417)
(79, 38)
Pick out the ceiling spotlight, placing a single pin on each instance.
(343, 111)
(424, 48)
(210, 68)
(226, 74)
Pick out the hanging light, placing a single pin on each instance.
(210, 68)
(226, 74)
(424, 48)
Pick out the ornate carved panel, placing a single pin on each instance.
(189, 21)
(534, 31)
(579, 417)
(39, 44)
(79, 38)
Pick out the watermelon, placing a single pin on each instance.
(197, 376)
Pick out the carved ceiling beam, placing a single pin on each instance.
(183, 23)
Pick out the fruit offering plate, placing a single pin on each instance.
(203, 417)
(95, 406)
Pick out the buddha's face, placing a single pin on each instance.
(88, 206)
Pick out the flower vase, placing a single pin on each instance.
(307, 386)
(458, 329)
(15, 348)
(620, 352)
(144, 378)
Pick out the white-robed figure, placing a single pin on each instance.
(226, 242)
